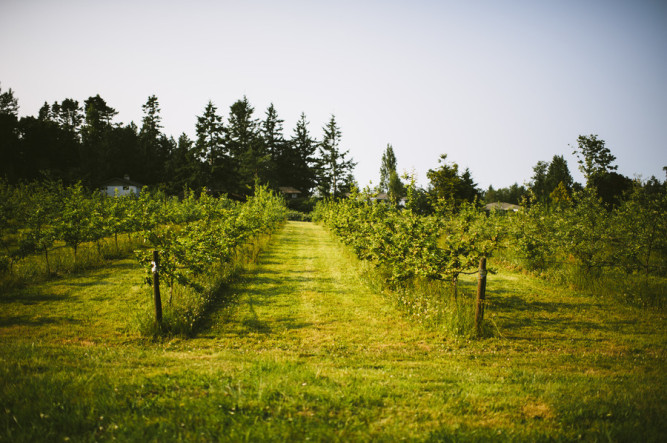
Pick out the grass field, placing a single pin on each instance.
(301, 349)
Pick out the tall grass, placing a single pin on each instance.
(434, 304)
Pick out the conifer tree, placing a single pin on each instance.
(155, 147)
(245, 147)
(299, 165)
(335, 172)
(210, 151)
(274, 144)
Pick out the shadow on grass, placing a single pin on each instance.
(521, 317)
(25, 320)
(268, 288)
(28, 297)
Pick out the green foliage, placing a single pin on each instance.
(596, 163)
(446, 183)
(9, 105)
(301, 351)
(582, 241)
(297, 166)
(549, 176)
(407, 247)
(74, 143)
(513, 194)
(595, 158)
(387, 167)
(202, 252)
(335, 168)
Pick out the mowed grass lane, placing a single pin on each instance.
(300, 349)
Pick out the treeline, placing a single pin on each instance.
(71, 142)
(550, 185)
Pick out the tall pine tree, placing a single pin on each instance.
(210, 148)
(274, 144)
(94, 139)
(335, 172)
(155, 147)
(299, 164)
(246, 149)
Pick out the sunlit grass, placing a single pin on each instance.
(305, 349)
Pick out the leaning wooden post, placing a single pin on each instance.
(481, 295)
(156, 287)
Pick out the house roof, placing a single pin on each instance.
(288, 190)
(381, 196)
(502, 206)
(117, 181)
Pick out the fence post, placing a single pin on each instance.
(481, 295)
(156, 287)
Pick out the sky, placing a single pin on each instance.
(495, 85)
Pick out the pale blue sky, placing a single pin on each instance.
(496, 85)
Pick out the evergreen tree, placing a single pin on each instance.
(210, 135)
(184, 167)
(297, 165)
(538, 182)
(68, 114)
(155, 147)
(387, 167)
(466, 189)
(123, 155)
(45, 113)
(514, 194)
(9, 105)
(274, 144)
(49, 150)
(10, 157)
(246, 149)
(558, 173)
(335, 173)
(94, 139)
(210, 148)
(97, 121)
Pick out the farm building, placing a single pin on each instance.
(289, 192)
(120, 186)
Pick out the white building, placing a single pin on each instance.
(120, 186)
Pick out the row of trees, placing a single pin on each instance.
(74, 142)
(39, 217)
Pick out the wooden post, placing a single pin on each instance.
(481, 295)
(156, 287)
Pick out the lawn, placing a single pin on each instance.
(300, 348)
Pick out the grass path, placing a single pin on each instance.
(306, 299)
(302, 350)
